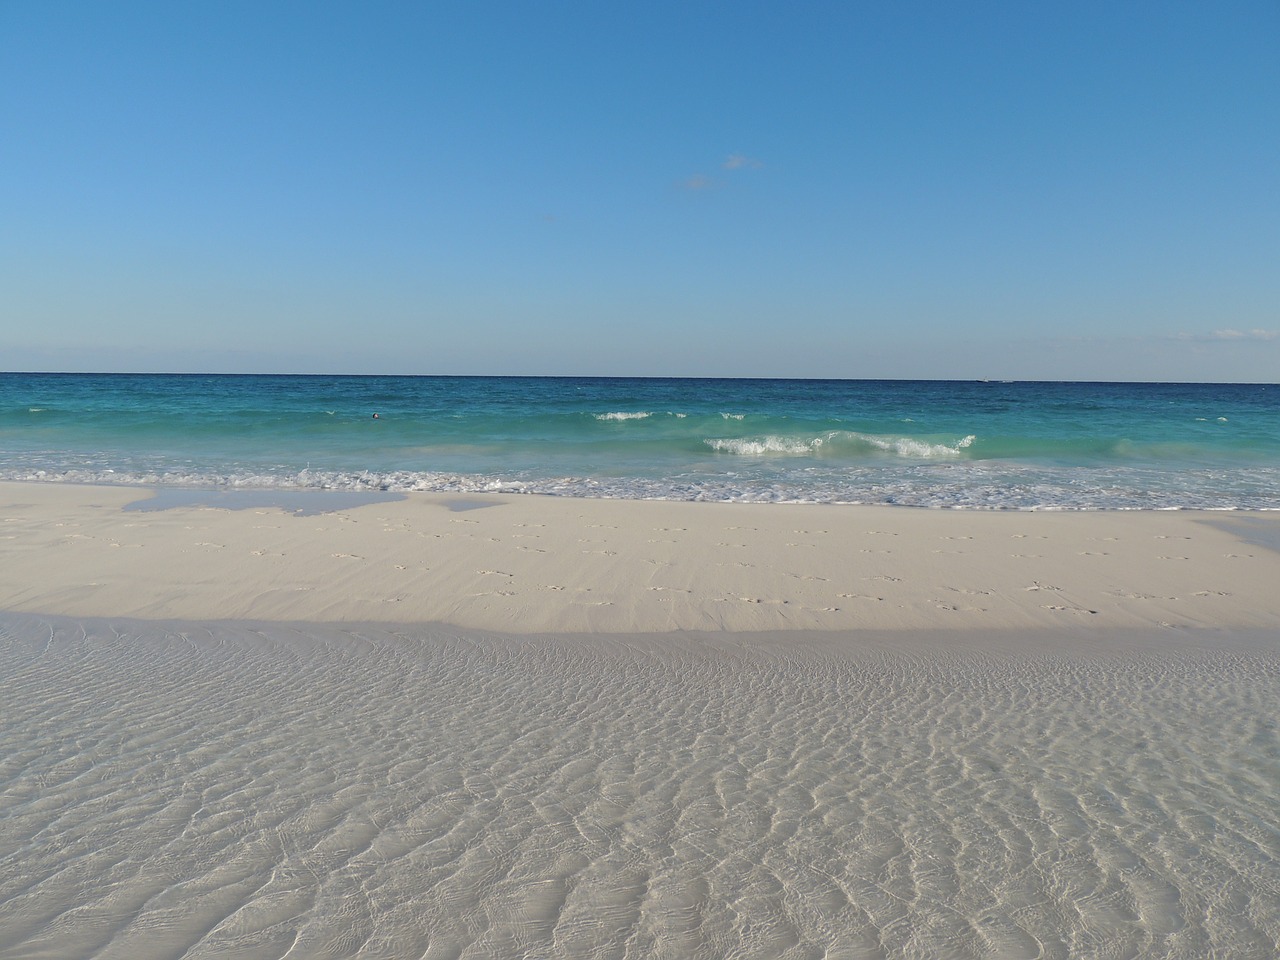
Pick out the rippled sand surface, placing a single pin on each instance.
(224, 790)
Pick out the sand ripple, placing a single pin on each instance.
(239, 791)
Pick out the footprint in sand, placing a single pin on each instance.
(955, 608)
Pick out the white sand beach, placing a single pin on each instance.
(532, 727)
(524, 564)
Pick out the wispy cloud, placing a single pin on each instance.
(1230, 335)
(699, 181)
(737, 161)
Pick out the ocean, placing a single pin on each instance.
(953, 444)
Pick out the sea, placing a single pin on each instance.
(949, 444)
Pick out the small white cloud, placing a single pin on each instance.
(698, 181)
(737, 161)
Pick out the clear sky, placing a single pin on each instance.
(1038, 190)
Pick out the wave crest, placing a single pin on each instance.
(761, 446)
(839, 442)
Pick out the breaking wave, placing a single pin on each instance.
(839, 443)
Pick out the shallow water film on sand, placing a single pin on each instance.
(226, 790)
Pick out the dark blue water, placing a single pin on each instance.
(924, 443)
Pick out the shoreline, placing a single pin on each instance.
(523, 564)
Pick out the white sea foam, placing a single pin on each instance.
(918, 449)
(762, 446)
(842, 440)
(624, 415)
(257, 790)
(938, 482)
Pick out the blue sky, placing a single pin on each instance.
(1071, 190)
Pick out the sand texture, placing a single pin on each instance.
(544, 564)
(263, 791)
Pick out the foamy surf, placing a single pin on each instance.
(837, 443)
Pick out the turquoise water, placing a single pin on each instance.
(918, 443)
